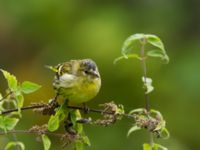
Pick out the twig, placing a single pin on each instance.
(31, 132)
(101, 111)
(9, 93)
(23, 108)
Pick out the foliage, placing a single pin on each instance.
(46, 142)
(14, 95)
(15, 144)
(149, 119)
(143, 118)
(157, 51)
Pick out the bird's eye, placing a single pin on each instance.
(86, 72)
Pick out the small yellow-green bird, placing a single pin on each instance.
(77, 81)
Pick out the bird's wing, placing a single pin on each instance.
(65, 81)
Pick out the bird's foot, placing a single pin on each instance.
(86, 109)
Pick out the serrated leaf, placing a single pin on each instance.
(11, 79)
(53, 123)
(14, 144)
(147, 85)
(133, 129)
(28, 87)
(7, 123)
(46, 142)
(79, 145)
(147, 146)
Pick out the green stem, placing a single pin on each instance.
(151, 139)
(146, 96)
(143, 60)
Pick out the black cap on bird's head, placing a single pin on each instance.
(90, 67)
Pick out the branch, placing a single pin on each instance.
(31, 132)
(9, 93)
(23, 108)
(101, 111)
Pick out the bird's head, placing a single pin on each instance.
(89, 68)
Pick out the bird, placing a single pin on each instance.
(77, 81)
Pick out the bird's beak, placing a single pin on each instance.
(95, 74)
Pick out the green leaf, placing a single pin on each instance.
(14, 144)
(159, 54)
(79, 145)
(129, 42)
(28, 87)
(165, 133)
(1, 96)
(138, 110)
(74, 116)
(20, 103)
(157, 113)
(147, 85)
(127, 56)
(147, 146)
(46, 142)
(86, 140)
(153, 40)
(53, 123)
(7, 123)
(155, 53)
(159, 147)
(20, 100)
(61, 112)
(11, 79)
(156, 41)
(133, 129)
(1, 104)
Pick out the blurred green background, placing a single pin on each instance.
(34, 33)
